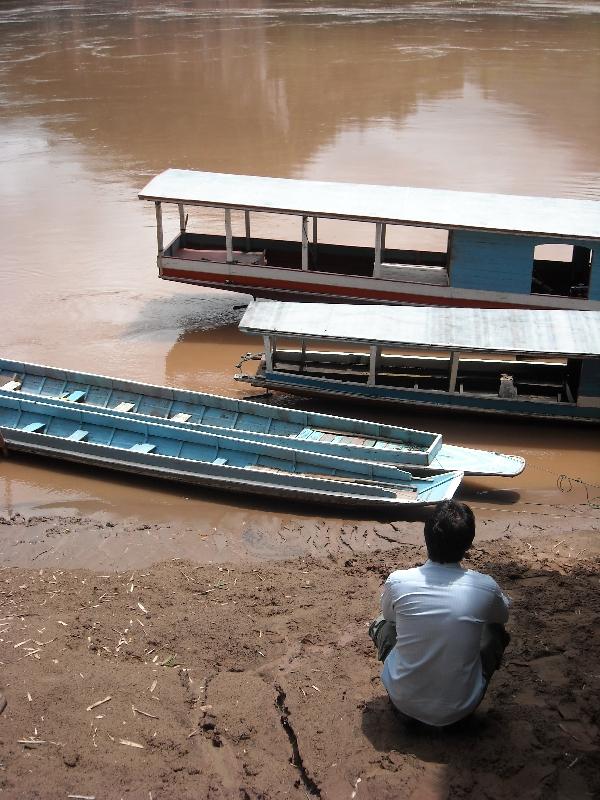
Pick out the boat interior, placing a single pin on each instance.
(94, 428)
(240, 417)
(414, 266)
(550, 380)
(562, 270)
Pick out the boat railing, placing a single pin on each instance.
(450, 373)
(305, 254)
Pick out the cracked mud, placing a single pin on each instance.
(186, 680)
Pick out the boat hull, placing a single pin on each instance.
(288, 284)
(443, 401)
(418, 451)
(204, 480)
(209, 460)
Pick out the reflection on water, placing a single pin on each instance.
(94, 98)
(277, 88)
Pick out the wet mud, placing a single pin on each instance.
(229, 633)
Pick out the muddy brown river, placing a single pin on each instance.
(97, 97)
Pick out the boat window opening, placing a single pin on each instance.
(412, 254)
(561, 269)
(489, 375)
(572, 379)
(306, 243)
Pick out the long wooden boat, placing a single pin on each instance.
(508, 361)
(419, 451)
(499, 251)
(206, 459)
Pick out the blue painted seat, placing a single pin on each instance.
(220, 462)
(123, 407)
(75, 397)
(78, 435)
(34, 427)
(143, 448)
(180, 417)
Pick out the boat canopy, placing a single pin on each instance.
(436, 208)
(555, 333)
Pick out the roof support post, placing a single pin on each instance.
(304, 243)
(182, 220)
(228, 237)
(378, 240)
(315, 257)
(454, 359)
(159, 227)
(247, 226)
(374, 359)
(268, 343)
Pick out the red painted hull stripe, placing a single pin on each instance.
(321, 291)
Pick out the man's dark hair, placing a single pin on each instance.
(449, 532)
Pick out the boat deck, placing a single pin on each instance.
(405, 266)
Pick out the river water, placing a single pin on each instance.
(96, 97)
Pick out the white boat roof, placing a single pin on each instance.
(558, 333)
(437, 208)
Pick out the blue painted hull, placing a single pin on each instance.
(420, 451)
(107, 440)
(317, 386)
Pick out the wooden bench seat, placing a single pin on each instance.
(143, 447)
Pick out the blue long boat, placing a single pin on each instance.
(419, 451)
(514, 362)
(211, 460)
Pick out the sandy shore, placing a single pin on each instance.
(256, 679)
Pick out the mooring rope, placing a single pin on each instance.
(566, 483)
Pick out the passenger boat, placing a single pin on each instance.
(211, 460)
(506, 361)
(500, 251)
(419, 451)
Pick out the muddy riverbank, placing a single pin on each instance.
(258, 680)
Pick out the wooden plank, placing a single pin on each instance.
(181, 417)
(228, 237)
(159, 227)
(247, 228)
(375, 356)
(34, 427)
(76, 397)
(377, 262)
(268, 342)
(454, 359)
(11, 386)
(123, 407)
(78, 436)
(143, 447)
(304, 243)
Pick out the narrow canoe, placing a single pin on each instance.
(212, 460)
(331, 435)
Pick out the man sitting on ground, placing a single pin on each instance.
(441, 635)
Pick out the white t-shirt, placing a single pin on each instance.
(434, 672)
